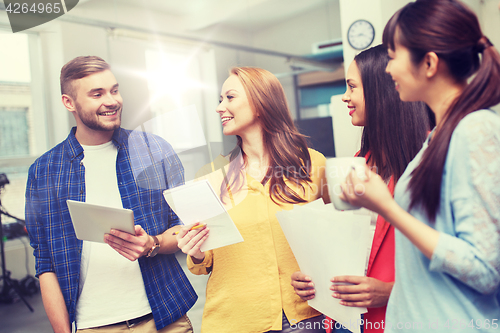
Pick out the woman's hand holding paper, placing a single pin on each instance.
(303, 286)
(362, 292)
(190, 240)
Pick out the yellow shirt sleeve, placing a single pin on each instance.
(318, 175)
(203, 268)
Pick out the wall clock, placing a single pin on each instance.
(361, 34)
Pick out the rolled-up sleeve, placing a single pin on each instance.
(203, 268)
(35, 228)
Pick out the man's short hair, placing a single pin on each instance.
(78, 68)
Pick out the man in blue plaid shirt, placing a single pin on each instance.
(128, 280)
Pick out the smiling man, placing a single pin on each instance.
(130, 280)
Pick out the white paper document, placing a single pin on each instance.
(197, 201)
(328, 243)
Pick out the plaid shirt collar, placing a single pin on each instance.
(75, 149)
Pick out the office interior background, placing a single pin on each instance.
(171, 59)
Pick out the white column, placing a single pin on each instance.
(58, 117)
(348, 137)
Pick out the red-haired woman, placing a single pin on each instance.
(249, 289)
(446, 207)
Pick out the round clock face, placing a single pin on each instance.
(360, 34)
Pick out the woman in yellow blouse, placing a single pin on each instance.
(271, 169)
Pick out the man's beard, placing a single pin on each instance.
(93, 123)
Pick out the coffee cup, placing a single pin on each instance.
(337, 169)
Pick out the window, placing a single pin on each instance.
(14, 132)
(183, 99)
(15, 78)
(21, 141)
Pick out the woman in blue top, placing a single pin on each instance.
(446, 205)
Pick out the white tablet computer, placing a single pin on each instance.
(91, 221)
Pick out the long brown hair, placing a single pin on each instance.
(451, 30)
(287, 148)
(395, 130)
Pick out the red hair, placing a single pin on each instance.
(287, 148)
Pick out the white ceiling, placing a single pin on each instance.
(248, 15)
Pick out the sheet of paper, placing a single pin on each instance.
(197, 201)
(328, 243)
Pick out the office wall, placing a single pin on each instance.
(297, 36)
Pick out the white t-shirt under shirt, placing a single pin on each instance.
(111, 286)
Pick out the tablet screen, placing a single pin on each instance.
(92, 221)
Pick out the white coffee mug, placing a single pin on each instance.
(337, 169)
